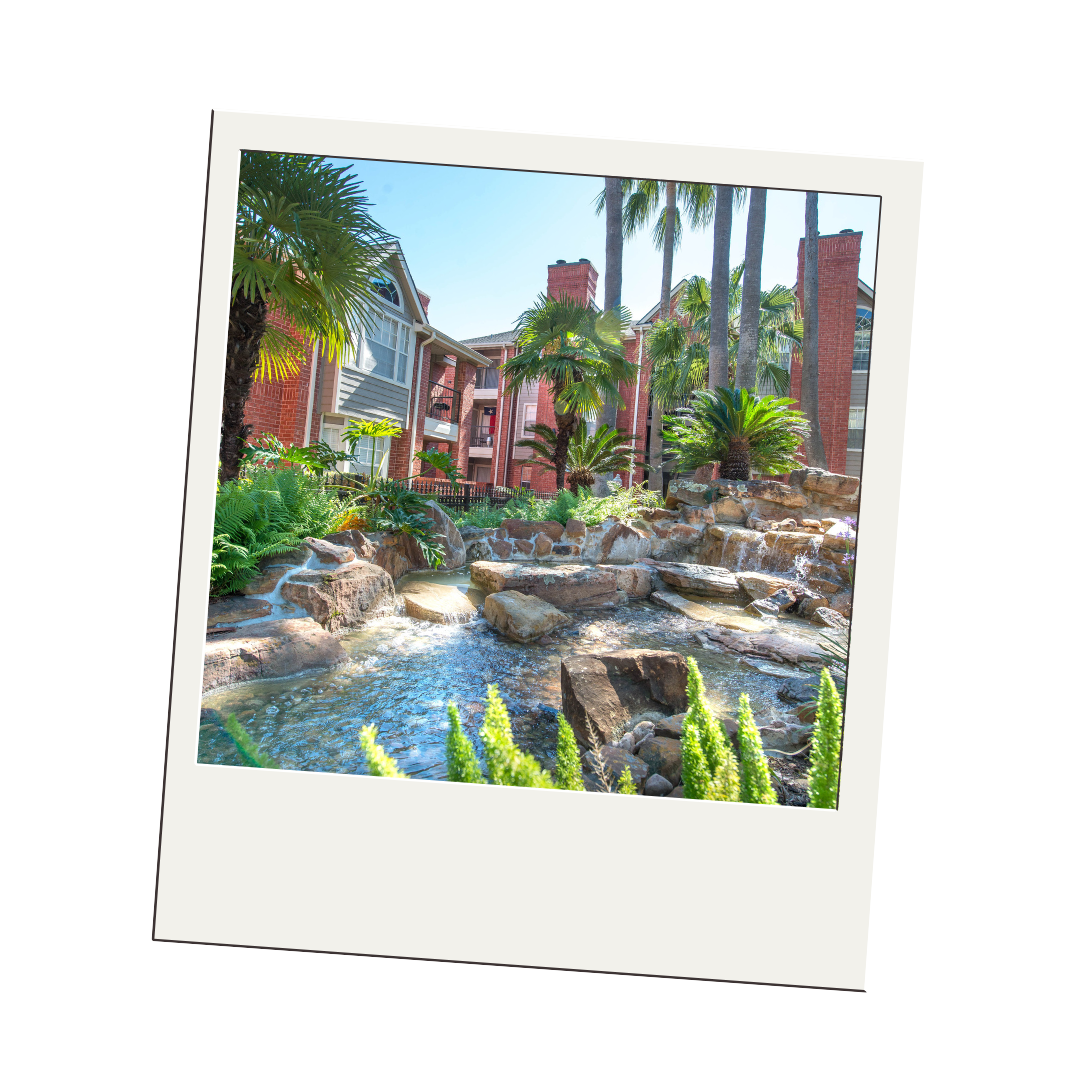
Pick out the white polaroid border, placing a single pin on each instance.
(440, 871)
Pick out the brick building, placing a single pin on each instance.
(450, 395)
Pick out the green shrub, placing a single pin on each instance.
(756, 785)
(626, 783)
(483, 515)
(567, 762)
(266, 512)
(249, 754)
(824, 780)
(506, 763)
(461, 764)
(716, 777)
(379, 762)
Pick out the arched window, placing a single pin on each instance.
(863, 320)
(386, 287)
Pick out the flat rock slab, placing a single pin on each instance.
(521, 617)
(266, 582)
(436, 603)
(518, 529)
(235, 609)
(567, 586)
(602, 692)
(780, 648)
(700, 613)
(270, 650)
(329, 553)
(346, 596)
(712, 581)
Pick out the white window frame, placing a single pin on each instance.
(402, 350)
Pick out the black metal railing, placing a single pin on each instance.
(482, 436)
(487, 378)
(469, 493)
(443, 403)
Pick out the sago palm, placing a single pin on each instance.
(606, 451)
(580, 352)
(738, 431)
(306, 249)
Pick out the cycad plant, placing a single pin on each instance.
(738, 431)
(306, 250)
(580, 353)
(606, 451)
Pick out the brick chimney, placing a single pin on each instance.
(572, 280)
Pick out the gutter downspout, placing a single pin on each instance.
(637, 393)
(421, 346)
(311, 391)
(498, 420)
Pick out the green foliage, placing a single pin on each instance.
(305, 243)
(732, 427)
(506, 763)
(713, 770)
(389, 506)
(249, 753)
(461, 764)
(606, 451)
(576, 349)
(481, 515)
(373, 430)
(624, 504)
(824, 780)
(756, 786)
(626, 783)
(444, 463)
(269, 450)
(266, 512)
(567, 762)
(379, 762)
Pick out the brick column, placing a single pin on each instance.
(838, 280)
(464, 384)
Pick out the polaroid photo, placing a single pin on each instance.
(537, 554)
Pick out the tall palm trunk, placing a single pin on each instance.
(720, 287)
(613, 253)
(815, 446)
(565, 424)
(247, 324)
(656, 442)
(746, 365)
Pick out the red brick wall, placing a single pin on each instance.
(464, 384)
(838, 277)
(279, 406)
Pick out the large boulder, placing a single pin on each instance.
(347, 596)
(689, 493)
(760, 585)
(615, 759)
(634, 580)
(826, 616)
(614, 542)
(327, 553)
(436, 603)
(269, 650)
(662, 756)
(841, 537)
(228, 610)
(266, 582)
(398, 554)
(825, 483)
(604, 691)
(712, 581)
(567, 586)
(521, 617)
(446, 536)
(517, 529)
(355, 539)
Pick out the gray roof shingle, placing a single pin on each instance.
(507, 337)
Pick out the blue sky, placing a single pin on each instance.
(478, 241)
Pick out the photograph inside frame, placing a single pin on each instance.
(539, 479)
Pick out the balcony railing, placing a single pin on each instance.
(443, 403)
(482, 436)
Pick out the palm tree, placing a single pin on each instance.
(746, 366)
(306, 249)
(815, 446)
(613, 253)
(738, 431)
(606, 451)
(580, 353)
(682, 348)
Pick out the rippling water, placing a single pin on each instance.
(404, 671)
